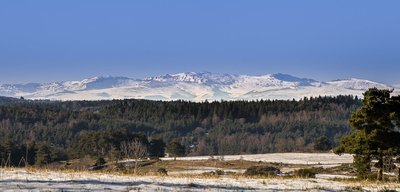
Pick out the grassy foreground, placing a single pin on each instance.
(212, 174)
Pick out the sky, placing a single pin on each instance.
(47, 40)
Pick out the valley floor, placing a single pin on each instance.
(31, 180)
(187, 174)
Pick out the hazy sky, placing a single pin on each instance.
(44, 41)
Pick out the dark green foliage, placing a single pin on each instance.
(375, 131)
(162, 171)
(219, 172)
(43, 154)
(175, 148)
(262, 171)
(114, 154)
(12, 154)
(388, 190)
(214, 173)
(103, 143)
(157, 148)
(322, 144)
(100, 161)
(306, 172)
(58, 154)
(362, 165)
(96, 128)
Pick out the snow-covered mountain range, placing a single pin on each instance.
(191, 86)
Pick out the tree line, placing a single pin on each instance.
(72, 129)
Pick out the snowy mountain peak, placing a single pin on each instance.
(193, 77)
(181, 77)
(191, 86)
(357, 84)
(290, 78)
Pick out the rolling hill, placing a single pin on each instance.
(191, 86)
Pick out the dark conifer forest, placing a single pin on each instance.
(39, 132)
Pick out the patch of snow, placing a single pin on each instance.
(22, 180)
(285, 158)
(331, 176)
(357, 84)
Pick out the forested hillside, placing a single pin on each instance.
(207, 128)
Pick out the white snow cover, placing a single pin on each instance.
(192, 86)
(43, 180)
(22, 180)
(285, 158)
(25, 180)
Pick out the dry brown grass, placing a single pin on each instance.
(151, 167)
(351, 184)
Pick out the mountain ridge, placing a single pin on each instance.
(193, 86)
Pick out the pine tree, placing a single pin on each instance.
(322, 144)
(175, 148)
(43, 155)
(157, 148)
(375, 133)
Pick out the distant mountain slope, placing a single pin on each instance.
(9, 100)
(191, 86)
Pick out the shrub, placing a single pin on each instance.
(308, 173)
(262, 170)
(214, 173)
(353, 188)
(161, 171)
(192, 185)
(219, 172)
(322, 144)
(100, 161)
(362, 164)
(387, 190)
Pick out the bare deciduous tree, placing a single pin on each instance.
(134, 149)
(125, 149)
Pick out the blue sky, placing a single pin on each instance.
(44, 41)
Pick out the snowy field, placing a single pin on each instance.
(22, 180)
(33, 180)
(285, 158)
